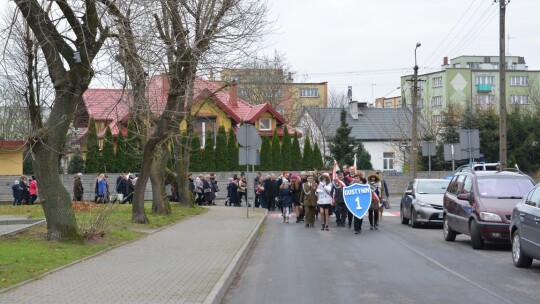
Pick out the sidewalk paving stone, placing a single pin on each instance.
(193, 261)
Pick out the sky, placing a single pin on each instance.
(369, 44)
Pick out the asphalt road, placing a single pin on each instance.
(396, 264)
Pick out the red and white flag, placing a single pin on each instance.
(334, 174)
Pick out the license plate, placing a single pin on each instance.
(440, 215)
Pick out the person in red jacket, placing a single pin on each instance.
(33, 189)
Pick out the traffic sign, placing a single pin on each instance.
(357, 199)
(248, 136)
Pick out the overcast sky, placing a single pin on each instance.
(370, 44)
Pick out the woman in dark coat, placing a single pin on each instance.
(285, 199)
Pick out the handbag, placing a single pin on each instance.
(387, 204)
(207, 190)
(120, 196)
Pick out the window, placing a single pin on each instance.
(205, 126)
(485, 99)
(484, 79)
(437, 119)
(265, 124)
(436, 101)
(519, 99)
(436, 82)
(473, 65)
(309, 92)
(519, 81)
(274, 93)
(457, 65)
(388, 161)
(388, 104)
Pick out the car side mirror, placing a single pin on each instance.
(409, 192)
(465, 197)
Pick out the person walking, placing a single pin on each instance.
(358, 178)
(78, 190)
(242, 189)
(373, 212)
(101, 191)
(286, 200)
(385, 196)
(16, 195)
(296, 188)
(324, 199)
(23, 190)
(308, 197)
(199, 181)
(259, 191)
(337, 193)
(271, 191)
(257, 199)
(33, 190)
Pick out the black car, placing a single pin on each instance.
(525, 229)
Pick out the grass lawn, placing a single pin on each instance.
(28, 254)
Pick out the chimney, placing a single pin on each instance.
(445, 60)
(349, 93)
(233, 94)
(353, 109)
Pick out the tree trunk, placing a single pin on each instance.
(55, 200)
(160, 205)
(185, 197)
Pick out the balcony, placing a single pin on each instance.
(484, 88)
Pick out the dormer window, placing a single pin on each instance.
(265, 124)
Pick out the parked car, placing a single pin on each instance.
(480, 203)
(422, 202)
(525, 229)
(481, 167)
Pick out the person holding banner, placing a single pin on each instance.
(325, 200)
(337, 193)
(358, 178)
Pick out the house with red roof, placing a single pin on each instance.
(212, 107)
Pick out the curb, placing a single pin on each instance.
(218, 292)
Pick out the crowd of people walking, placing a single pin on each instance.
(311, 195)
(25, 191)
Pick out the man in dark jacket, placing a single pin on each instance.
(271, 191)
(337, 194)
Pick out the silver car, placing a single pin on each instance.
(422, 202)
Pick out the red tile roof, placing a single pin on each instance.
(112, 105)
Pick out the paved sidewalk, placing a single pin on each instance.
(193, 261)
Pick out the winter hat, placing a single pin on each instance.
(294, 176)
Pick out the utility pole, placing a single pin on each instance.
(414, 105)
(502, 85)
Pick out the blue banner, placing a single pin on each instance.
(357, 198)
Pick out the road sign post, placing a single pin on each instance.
(249, 141)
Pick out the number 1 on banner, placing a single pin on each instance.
(358, 207)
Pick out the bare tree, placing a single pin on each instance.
(191, 33)
(337, 99)
(70, 36)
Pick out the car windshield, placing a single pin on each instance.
(504, 186)
(432, 187)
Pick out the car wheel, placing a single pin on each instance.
(449, 234)
(476, 240)
(404, 220)
(414, 223)
(519, 258)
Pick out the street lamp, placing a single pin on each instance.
(414, 135)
